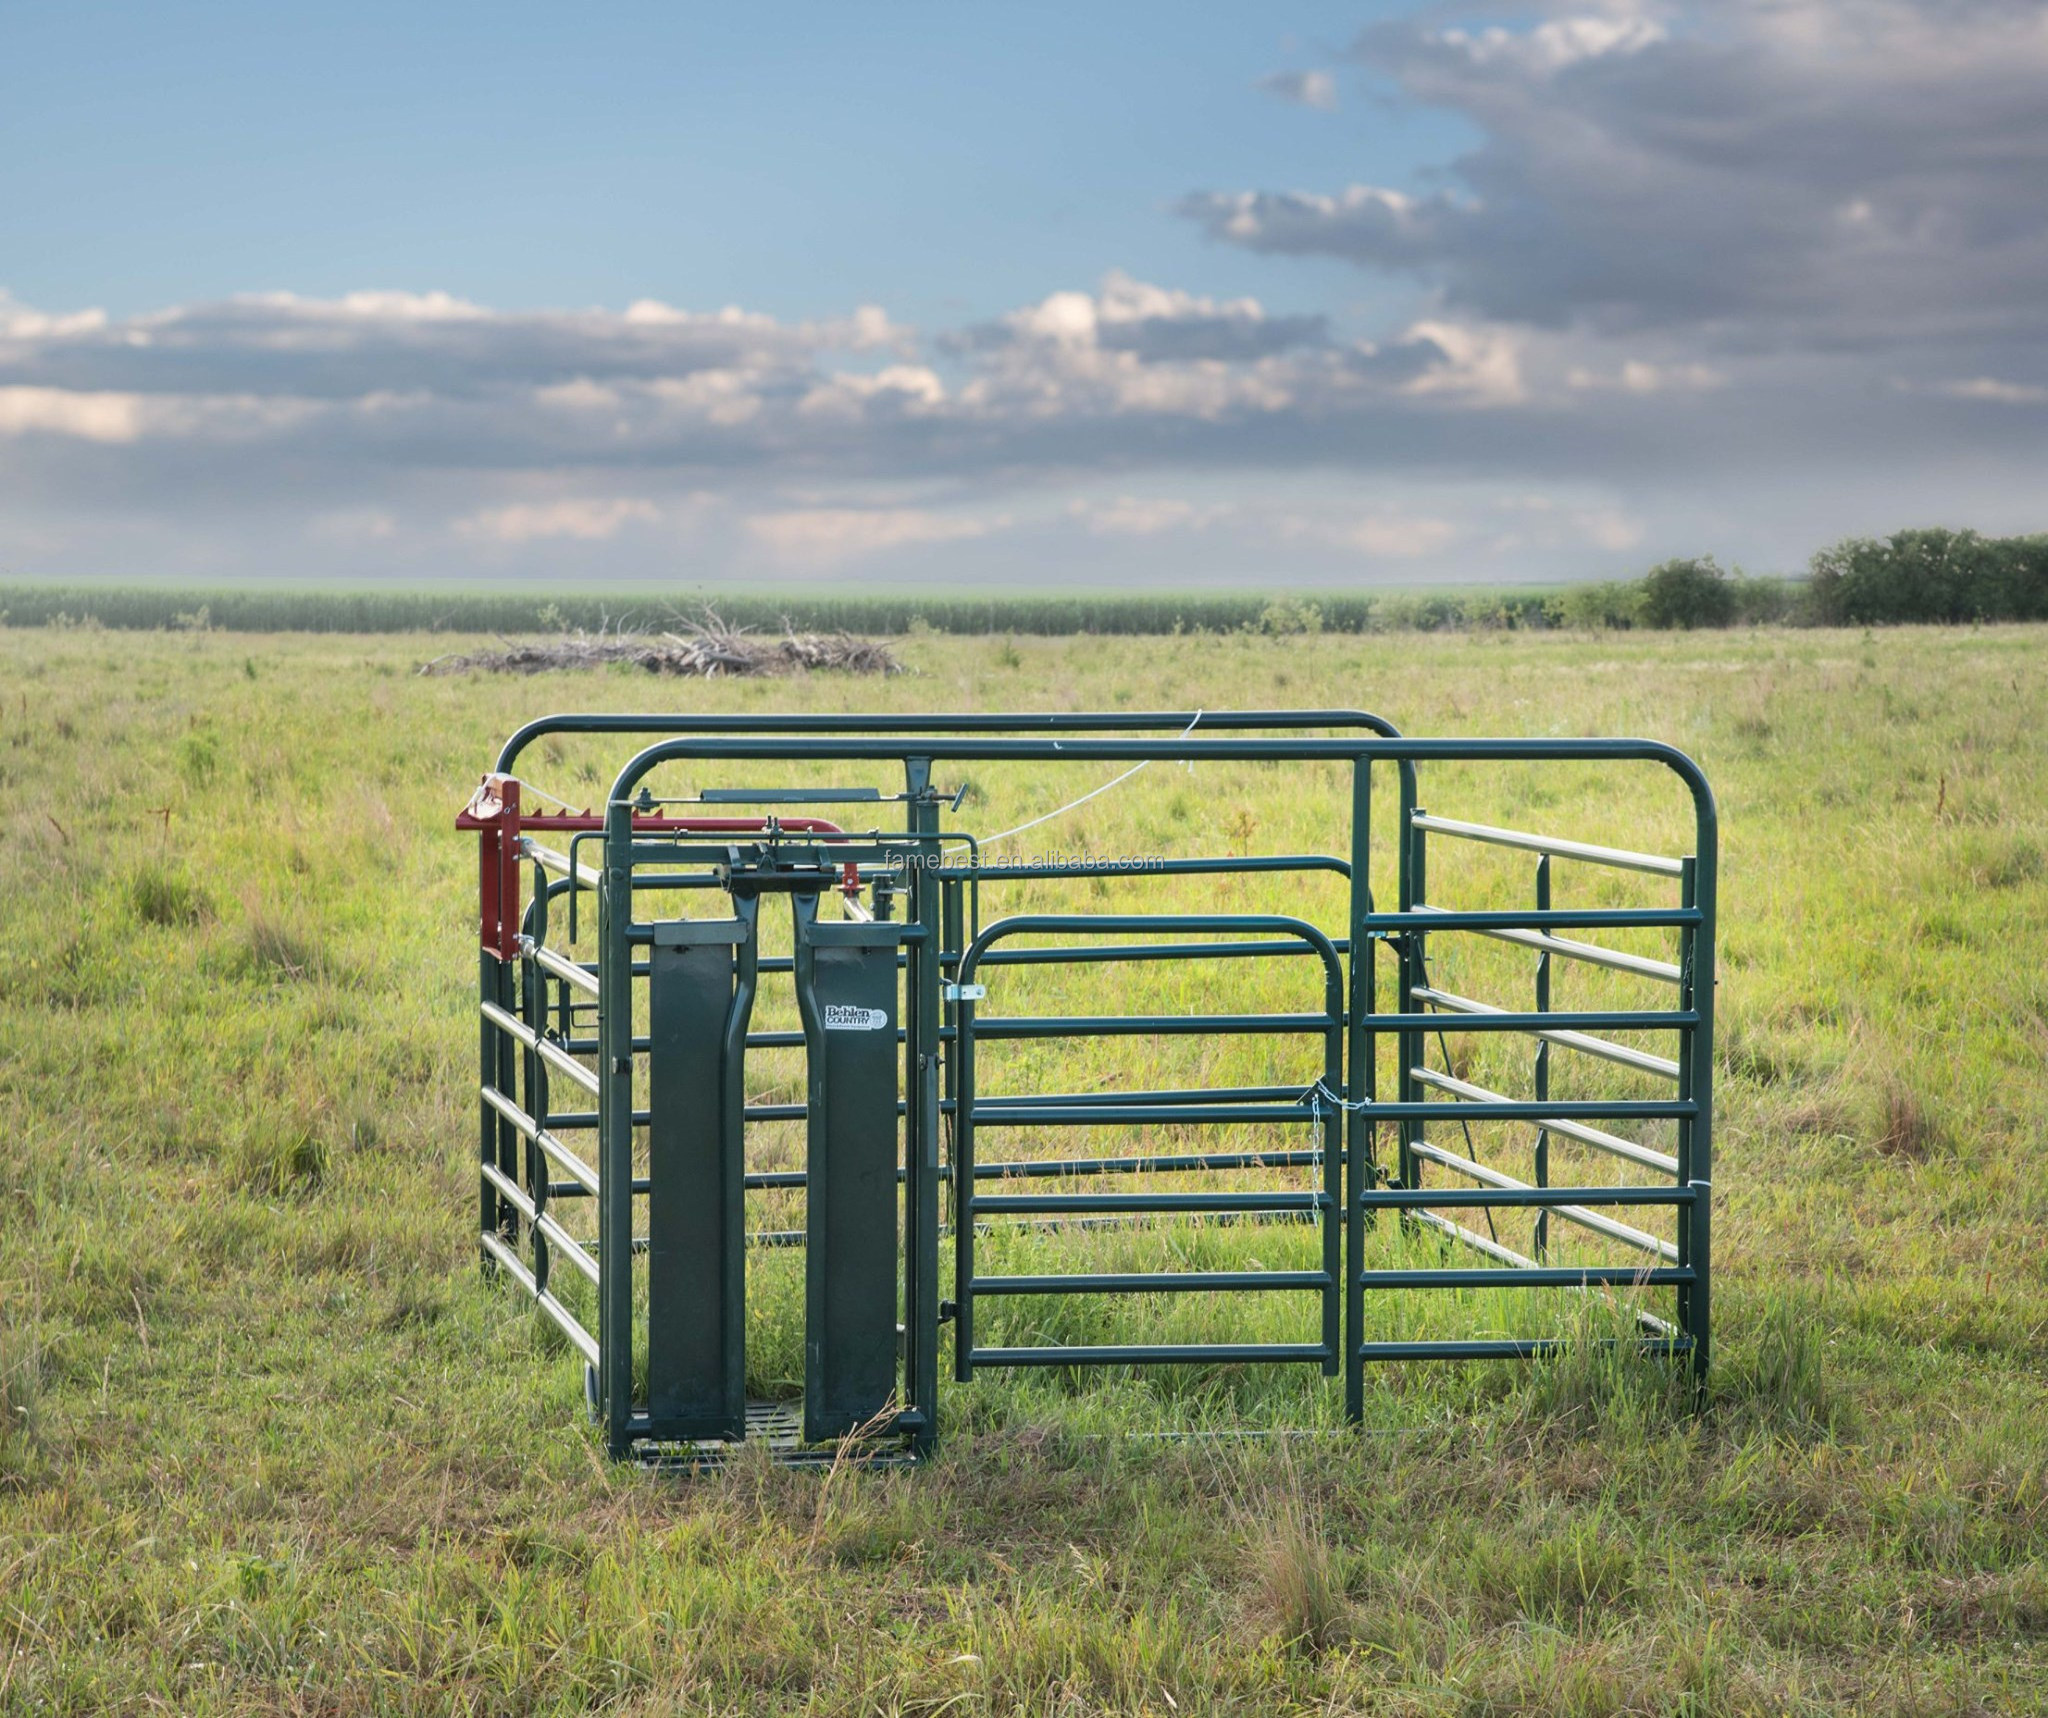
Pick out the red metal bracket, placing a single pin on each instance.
(494, 812)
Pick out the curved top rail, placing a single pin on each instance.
(1162, 924)
(1018, 721)
(975, 747)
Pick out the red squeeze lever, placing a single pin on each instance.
(493, 811)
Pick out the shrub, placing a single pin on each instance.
(1688, 594)
(1285, 616)
(1930, 576)
(1601, 607)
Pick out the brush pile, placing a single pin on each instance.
(703, 649)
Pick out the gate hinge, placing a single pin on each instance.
(947, 1309)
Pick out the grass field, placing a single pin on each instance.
(267, 1443)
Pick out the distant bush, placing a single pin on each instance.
(1766, 602)
(1607, 605)
(1287, 615)
(1933, 575)
(1687, 595)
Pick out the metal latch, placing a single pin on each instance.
(966, 992)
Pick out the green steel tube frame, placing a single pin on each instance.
(935, 739)
(969, 1109)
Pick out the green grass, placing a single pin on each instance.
(267, 1443)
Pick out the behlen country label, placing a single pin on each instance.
(843, 1017)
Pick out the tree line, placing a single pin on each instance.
(1932, 575)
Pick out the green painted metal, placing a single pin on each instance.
(914, 1080)
(701, 991)
(846, 991)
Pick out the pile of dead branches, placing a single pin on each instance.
(701, 648)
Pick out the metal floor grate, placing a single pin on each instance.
(780, 1427)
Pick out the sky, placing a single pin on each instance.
(1132, 295)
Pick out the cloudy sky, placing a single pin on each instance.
(1138, 294)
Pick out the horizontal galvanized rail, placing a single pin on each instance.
(1491, 919)
(1625, 1054)
(542, 1137)
(1620, 857)
(1598, 1138)
(1517, 1109)
(580, 1339)
(1591, 953)
(1568, 1202)
(1601, 1019)
(1521, 1261)
(570, 972)
(545, 1048)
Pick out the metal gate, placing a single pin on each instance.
(893, 1011)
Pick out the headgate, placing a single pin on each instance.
(1362, 1111)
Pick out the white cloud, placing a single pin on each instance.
(1809, 174)
(19, 322)
(1638, 376)
(1388, 536)
(1145, 516)
(1304, 89)
(1483, 366)
(98, 416)
(1557, 43)
(827, 536)
(909, 387)
(584, 520)
(1989, 388)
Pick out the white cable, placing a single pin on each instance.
(1092, 793)
(529, 787)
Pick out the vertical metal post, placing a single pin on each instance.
(955, 946)
(489, 968)
(615, 1128)
(1414, 972)
(1542, 1176)
(1696, 1083)
(1361, 1085)
(962, 1062)
(533, 1010)
(1331, 1143)
(921, 1058)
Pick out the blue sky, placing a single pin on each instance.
(1300, 295)
(949, 161)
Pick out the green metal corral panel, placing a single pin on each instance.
(696, 1317)
(846, 976)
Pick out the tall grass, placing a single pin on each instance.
(267, 1443)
